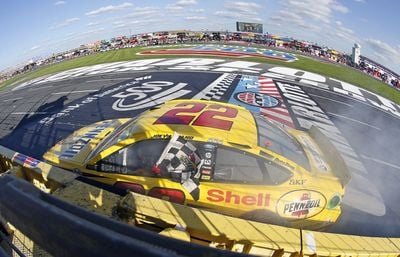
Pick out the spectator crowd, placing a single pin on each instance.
(366, 65)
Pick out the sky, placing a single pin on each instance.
(37, 29)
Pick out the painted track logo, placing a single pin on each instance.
(227, 51)
(140, 97)
(257, 99)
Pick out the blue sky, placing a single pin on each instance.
(39, 28)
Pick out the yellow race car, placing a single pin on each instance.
(215, 156)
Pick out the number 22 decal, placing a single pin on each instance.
(208, 115)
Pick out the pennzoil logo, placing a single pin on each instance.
(301, 204)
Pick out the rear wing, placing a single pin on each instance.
(332, 155)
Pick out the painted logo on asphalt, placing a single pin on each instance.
(138, 97)
(229, 51)
(257, 99)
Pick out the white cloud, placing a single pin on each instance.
(65, 23)
(245, 11)
(173, 7)
(227, 14)
(243, 7)
(196, 18)
(94, 31)
(93, 23)
(186, 2)
(360, 1)
(314, 21)
(146, 8)
(110, 8)
(339, 36)
(145, 11)
(60, 2)
(387, 52)
(117, 22)
(178, 6)
(294, 19)
(320, 11)
(289, 16)
(132, 23)
(345, 30)
(34, 48)
(340, 8)
(197, 10)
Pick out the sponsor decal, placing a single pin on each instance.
(84, 140)
(26, 160)
(220, 196)
(300, 204)
(220, 50)
(297, 182)
(207, 169)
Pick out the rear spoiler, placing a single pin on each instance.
(332, 155)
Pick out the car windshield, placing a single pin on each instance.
(277, 139)
(119, 134)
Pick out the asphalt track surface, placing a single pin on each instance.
(35, 117)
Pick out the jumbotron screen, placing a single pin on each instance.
(249, 27)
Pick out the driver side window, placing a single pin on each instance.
(135, 159)
(242, 167)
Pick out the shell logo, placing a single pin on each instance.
(300, 204)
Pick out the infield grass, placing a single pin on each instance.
(303, 63)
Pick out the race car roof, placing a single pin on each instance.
(200, 120)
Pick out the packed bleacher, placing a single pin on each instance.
(366, 65)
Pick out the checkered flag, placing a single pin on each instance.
(181, 160)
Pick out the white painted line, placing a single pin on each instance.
(215, 83)
(275, 114)
(69, 124)
(38, 88)
(4, 93)
(380, 161)
(72, 92)
(327, 98)
(100, 80)
(14, 99)
(353, 120)
(346, 96)
(27, 113)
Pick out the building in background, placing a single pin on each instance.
(356, 54)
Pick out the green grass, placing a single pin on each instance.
(304, 63)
